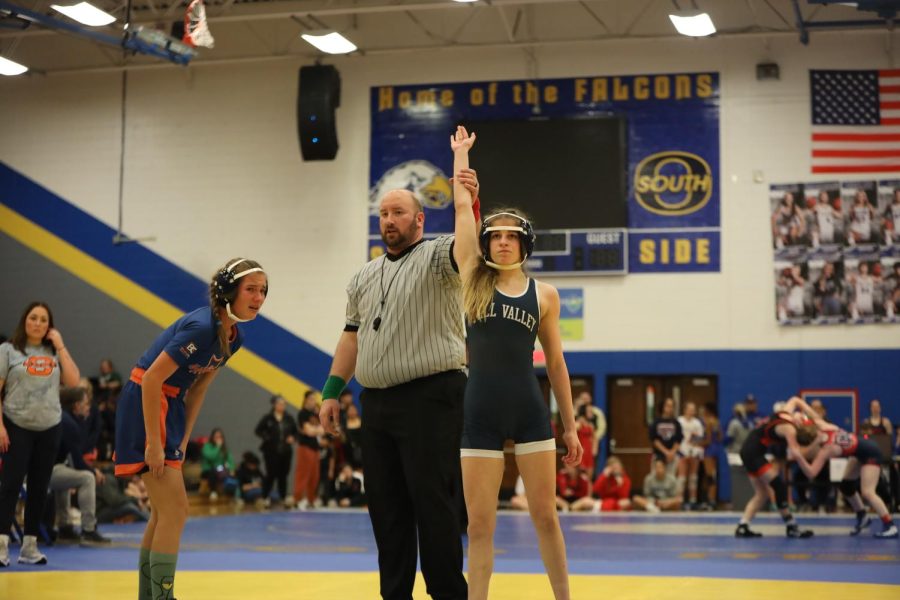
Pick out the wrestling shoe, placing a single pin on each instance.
(861, 523)
(743, 531)
(793, 531)
(890, 532)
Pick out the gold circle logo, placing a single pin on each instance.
(673, 183)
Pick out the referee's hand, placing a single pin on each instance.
(330, 416)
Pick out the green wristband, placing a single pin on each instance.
(333, 387)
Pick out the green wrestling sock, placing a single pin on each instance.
(162, 575)
(144, 591)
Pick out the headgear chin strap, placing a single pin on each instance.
(526, 238)
(232, 316)
(226, 286)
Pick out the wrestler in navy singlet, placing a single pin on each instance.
(503, 400)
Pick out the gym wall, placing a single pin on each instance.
(213, 170)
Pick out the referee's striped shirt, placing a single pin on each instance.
(417, 296)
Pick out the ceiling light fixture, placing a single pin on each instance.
(693, 23)
(330, 43)
(8, 67)
(85, 13)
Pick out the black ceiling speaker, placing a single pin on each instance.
(319, 96)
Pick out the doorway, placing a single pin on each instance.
(634, 401)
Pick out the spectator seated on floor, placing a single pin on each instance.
(114, 505)
(71, 472)
(137, 490)
(660, 490)
(513, 498)
(217, 465)
(572, 484)
(250, 478)
(611, 491)
(348, 488)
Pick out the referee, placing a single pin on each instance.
(404, 342)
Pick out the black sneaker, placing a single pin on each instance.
(91, 538)
(861, 524)
(743, 531)
(67, 533)
(793, 531)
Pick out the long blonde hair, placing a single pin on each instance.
(478, 291)
(221, 292)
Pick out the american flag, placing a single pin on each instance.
(855, 121)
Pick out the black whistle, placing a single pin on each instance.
(376, 323)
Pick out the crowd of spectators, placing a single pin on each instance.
(685, 463)
(84, 492)
(327, 470)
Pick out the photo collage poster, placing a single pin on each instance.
(836, 247)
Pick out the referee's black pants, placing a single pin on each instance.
(410, 440)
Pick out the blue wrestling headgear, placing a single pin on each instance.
(522, 227)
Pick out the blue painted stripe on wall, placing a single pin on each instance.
(770, 375)
(151, 271)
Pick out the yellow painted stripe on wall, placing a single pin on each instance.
(149, 305)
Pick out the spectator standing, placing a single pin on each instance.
(666, 435)
(738, 429)
(584, 406)
(109, 382)
(876, 423)
(278, 431)
(32, 365)
(307, 469)
(712, 450)
(691, 452)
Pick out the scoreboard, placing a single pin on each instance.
(580, 252)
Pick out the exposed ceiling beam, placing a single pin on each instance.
(639, 16)
(595, 16)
